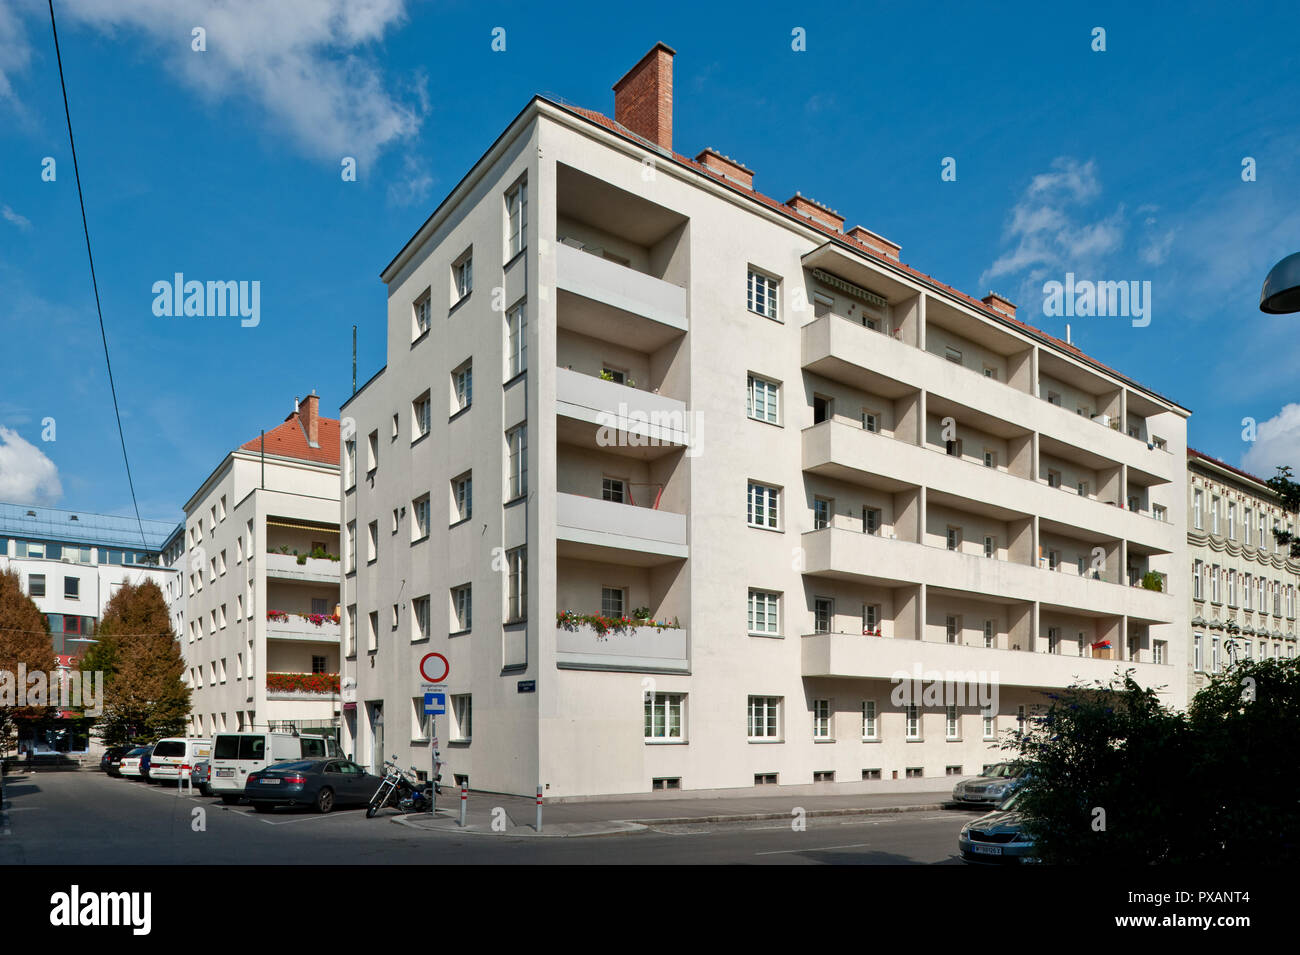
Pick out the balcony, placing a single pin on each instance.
(316, 570)
(297, 627)
(848, 555)
(307, 687)
(613, 302)
(592, 529)
(882, 658)
(641, 423)
(638, 649)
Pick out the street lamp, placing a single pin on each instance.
(1281, 291)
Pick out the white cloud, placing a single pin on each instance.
(9, 215)
(27, 476)
(304, 62)
(15, 53)
(1277, 443)
(413, 185)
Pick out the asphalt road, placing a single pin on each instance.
(87, 818)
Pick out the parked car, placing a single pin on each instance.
(236, 755)
(199, 776)
(990, 787)
(175, 756)
(146, 764)
(112, 759)
(998, 836)
(323, 784)
(130, 764)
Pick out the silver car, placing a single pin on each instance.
(998, 837)
(991, 786)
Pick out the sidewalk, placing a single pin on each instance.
(516, 815)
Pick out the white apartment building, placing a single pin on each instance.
(621, 380)
(1243, 586)
(71, 564)
(261, 632)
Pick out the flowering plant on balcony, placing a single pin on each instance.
(872, 632)
(277, 615)
(572, 620)
(316, 619)
(303, 682)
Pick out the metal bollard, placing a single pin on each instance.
(539, 808)
(464, 802)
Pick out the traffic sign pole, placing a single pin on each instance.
(539, 807)
(464, 802)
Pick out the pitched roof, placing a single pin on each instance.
(1193, 453)
(290, 441)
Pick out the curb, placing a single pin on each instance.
(618, 828)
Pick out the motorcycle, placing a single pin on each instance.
(397, 790)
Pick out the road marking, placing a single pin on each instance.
(782, 852)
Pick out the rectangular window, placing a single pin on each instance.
(990, 546)
(763, 510)
(517, 220)
(420, 618)
(1214, 515)
(1053, 639)
(373, 630)
(1053, 478)
(462, 718)
(990, 723)
(72, 588)
(36, 585)
(352, 630)
(352, 547)
(421, 309)
(517, 442)
(990, 458)
(951, 725)
(462, 276)
(613, 601)
(870, 421)
(952, 354)
(953, 448)
(1158, 651)
(1197, 662)
(870, 520)
(1232, 521)
(764, 612)
(823, 507)
(462, 495)
(420, 523)
(517, 344)
(517, 585)
(871, 619)
(870, 725)
(764, 717)
(1245, 526)
(762, 294)
(1196, 580)
(663, 716)
(613, 490)
(990, 635)
(1214, 583)
(913, 717)
(350, 454)
(952, 628)
(954, 538)
(462, 386)
(823, 614)
(822, 719)
(762, 400)
(462, 605)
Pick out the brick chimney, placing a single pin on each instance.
(877, 242)
(814, 210)
(643, 98)
(996, 302)
(726, 166)
(309, 419)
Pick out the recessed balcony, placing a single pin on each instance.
(316, 570)
(596, 413)
(592, 529)
(614, 302)
(314, 628)
(631, 649)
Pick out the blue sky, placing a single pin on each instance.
(1117, 165)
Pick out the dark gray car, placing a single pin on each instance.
(991, 786)
(997, 837)
(322, 784)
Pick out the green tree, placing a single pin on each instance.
(136, 650)
(24, 639)
(1288, 492)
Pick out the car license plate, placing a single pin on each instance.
(987, 850)
(225, 772)
(270, 782)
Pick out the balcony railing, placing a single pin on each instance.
(582, 646)
(294, 626)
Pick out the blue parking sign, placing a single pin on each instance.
(435, 704)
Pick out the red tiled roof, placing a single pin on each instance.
(1193, 453)
(601, 119)
(289, 441)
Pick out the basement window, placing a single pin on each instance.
(667, 782)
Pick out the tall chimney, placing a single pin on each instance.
(999, 303)
(643, 98)
(309, 418)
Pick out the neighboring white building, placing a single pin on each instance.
(1243, 582)
(619, 378)
(260, 615)
(71, 564)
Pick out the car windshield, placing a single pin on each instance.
(1013, 802)
(997, 770)
(169, 747)
(299, 767)
(138, 751)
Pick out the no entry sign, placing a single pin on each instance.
(434, 667)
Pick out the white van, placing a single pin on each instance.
(235, 755)
(174, 757)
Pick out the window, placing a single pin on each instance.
(952, 354)
(462, 387)
(1214, 654)
(990, 635)
(1247, 585)
(1232, 521)
(1053, 639)
(462, 718)
(990, 458)
(1053, 559)
(822, 719)
(1158, 651)
(517, 585)
(764, 611)
(951, 724)
(765, 779)
(1082, 488)
(613, 489)
(613, 601)
(1054, 398)
(990, 723)
(870, 421)
(72, 588)
(763, 505)
(1214, 515)
(373, 630)
(870, 520)
(823, 614)
(516, 220)
(462, 496)
(352, 630)
(761, 402)
(823, 507)
(420, 518)
(954, 537)
(991, 546)
(421, 315)
(953, 448)
(352, 547)
(913, 718)
(617, 375)
(373, 463)
(1196, 580)
(462, 276)
(1214, 583)
(663, 716)
(1197, 663)
(396, 420)
(952, 628)
(870, 774)
(762, 294)
(350, 456)
(517, 442)
(372, 540)
(1159, 512)
(462, 607)
(420, 618)
(823, 408)
(517, 345)
(1232, 588)
(420, 416)
(1053, 478)
(990, 372)
(764, 717)
(36, 585)
(870, 725)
